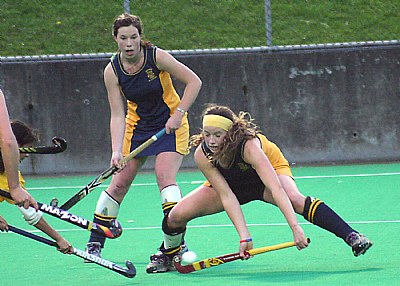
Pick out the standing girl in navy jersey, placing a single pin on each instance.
(141, 74)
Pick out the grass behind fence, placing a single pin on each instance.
(33, 27)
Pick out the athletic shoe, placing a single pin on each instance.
(184, 249)
(358, 242)
(93, 248)
(160, 262)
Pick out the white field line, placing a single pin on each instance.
(222, 225)
(229, 225)
(200, 182)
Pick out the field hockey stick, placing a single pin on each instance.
(106, 174)
(110, 232)
(60, 144)
(129, 272)
(215, 261)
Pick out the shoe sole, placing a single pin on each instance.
(157, 271)
(364, 249)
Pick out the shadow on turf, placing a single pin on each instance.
(274, 276)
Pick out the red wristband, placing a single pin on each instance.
(246, 240)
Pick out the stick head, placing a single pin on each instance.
(131, 272)
(60, 142)
(54, 202)
(182, 268)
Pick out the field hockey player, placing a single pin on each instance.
(26, 137)
(241, 165)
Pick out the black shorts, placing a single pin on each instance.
(248, 192)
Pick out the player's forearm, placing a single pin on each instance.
(284, 204)
(190, 94)
(10, 155)
(117, 129)
(235, 214)
(46, 228)
(8, 146)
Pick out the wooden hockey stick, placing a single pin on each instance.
(106, 174)
(215, 261)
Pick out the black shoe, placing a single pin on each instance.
(93, 248)
(358, 242)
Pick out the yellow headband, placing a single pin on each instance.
(217, 121)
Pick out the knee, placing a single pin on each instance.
(172, 226)
(175, 220)
(298, 202)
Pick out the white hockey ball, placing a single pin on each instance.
(189, 257)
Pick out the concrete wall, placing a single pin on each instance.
(319, 105)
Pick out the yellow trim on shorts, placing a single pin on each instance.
(182, 137)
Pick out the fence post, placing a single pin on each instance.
(268, 22)
(127, 8)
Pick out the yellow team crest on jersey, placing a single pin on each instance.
(244, 167)
(150, 74)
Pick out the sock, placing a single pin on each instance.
(318, 213)
(173, 238)
(170, 196)
(106, 210)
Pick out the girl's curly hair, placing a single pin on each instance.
(24, 134)
(243, 128)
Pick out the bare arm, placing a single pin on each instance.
(254, 155)
(192, 82)
(228, 198)
(117, 121)
(10, 155)
(63, 245)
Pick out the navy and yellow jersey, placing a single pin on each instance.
(242, 178)
(151, 99)
(4, 185)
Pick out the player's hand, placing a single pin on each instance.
(173, 123)
(299, 238)
(3, 224)
(116, 161)
(22, 198)
(244, 248)
(64, 246)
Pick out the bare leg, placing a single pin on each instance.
(320, 214)
(108, 204)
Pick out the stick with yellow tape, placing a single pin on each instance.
(215, 261)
